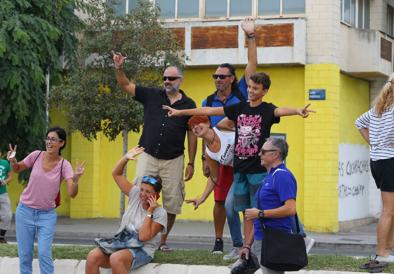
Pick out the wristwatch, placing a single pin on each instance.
(261, 214)
(150, 215)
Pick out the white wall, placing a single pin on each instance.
(354, 182)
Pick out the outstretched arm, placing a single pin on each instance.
(248, 27)
(286, 111)
(211, 182)
(124, 185)
(209, 111)
(124, 83)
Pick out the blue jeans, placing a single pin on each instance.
(233, 220)
(30, 223)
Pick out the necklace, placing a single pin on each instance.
(213, 139)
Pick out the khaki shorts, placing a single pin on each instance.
(171, 173)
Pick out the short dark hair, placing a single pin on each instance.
(157, 186)
(281, 145)
(61, 133)
(261, 78)
(231, 68)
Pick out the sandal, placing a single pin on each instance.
(164, 248)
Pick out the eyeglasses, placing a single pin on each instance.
(149, 180)
(170, 78)
(264, 151)
(220, 76)
(52, 140)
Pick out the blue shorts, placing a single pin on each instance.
(245, 187)
(140, 257)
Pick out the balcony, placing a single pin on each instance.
(209, 43)
(366, 53)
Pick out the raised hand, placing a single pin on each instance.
(248, 26)
(118, 59)
(196, 202)
(134, 152)
(171, 111)
(79, 169)
(304, 112)
(11, 154)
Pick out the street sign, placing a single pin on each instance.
(317, 94)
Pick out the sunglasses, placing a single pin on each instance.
(170, 78)
(264, 151)
(220, 76)
(149, 180)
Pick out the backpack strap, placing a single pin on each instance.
(36, 159)
(61, 170)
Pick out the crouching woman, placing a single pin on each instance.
(134, 244)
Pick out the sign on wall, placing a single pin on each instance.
(353, 183)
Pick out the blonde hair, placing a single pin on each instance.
(385, 99)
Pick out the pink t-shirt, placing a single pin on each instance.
(43, 187)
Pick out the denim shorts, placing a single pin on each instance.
(140, 258)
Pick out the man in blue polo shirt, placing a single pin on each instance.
(228, 92)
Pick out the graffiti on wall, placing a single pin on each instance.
(353, 170)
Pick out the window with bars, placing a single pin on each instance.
(390, 20)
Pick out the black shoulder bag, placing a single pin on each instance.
(280, 250)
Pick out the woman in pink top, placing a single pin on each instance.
(35, 214)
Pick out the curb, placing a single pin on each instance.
(11, 265)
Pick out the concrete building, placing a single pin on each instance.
(335, 54)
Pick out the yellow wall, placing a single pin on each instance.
(354, 101)
(321, 150)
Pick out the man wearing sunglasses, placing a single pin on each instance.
(229, 92)
(163, 137)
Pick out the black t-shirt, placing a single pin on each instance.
(252, 128)
(162, 137)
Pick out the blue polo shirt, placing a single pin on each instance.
(231, 100)
(278, 186)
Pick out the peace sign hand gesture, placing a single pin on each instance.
(79, 169)
(304, 112)
(11, 154)
(118, 59)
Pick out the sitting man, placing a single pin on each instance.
(137, 237)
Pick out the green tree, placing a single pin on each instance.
(89, 93)
(34, 35)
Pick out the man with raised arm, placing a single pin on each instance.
(163, 138)
(229, 92)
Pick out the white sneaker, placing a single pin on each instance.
(233, 254)
(387, 259)
(309, 242)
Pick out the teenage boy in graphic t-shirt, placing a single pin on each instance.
(253, 121)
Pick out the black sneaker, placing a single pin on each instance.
(218, 248)
(249, 266)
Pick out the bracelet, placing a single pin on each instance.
(248, 247)
(190, 164)
(250, 36)
(203, 157)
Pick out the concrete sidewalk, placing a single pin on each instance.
(11, 265)
(361, 239)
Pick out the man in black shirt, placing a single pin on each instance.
(163, 138)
